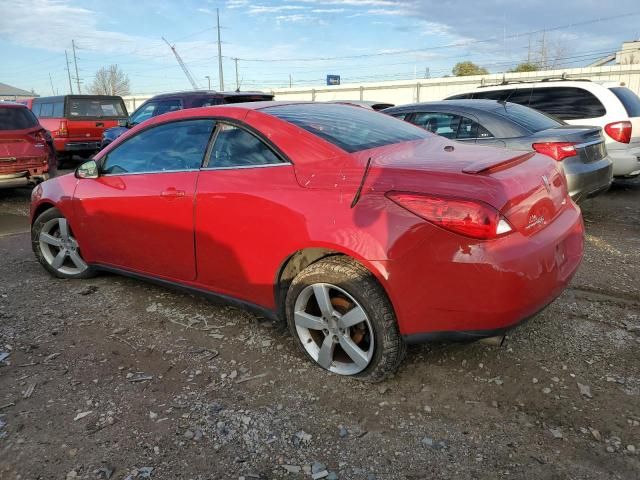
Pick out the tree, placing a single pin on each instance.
(463, 69)
(110, 80)
(525, 67)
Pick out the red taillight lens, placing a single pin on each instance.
(556, 150)
(62, 129)
(619, 131)
(466, 217)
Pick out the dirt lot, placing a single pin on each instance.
(114, 378)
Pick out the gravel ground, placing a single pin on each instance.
(114, 378)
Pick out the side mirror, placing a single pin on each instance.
(87, 170)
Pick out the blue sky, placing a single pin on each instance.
(307, 39)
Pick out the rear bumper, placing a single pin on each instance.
(22, 179)
(626, 161)
(476, 289)
(586, 180)
(71, 146)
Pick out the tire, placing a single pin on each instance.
(51, 245)
(354, 295)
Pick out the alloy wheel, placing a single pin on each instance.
(334, 329)
(60, 249)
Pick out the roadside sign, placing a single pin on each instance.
(333, 79)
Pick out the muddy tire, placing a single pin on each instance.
(343, 321)
(56, 248)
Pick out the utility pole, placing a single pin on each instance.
(529, 51)
(219, 53)
(290, 81)
(208, 81)
(75, 61)
(68, 72)
(237, 79)
(543, 51)
(53, 92)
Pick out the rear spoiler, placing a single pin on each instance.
(489, 166)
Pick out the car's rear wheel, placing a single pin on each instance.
(343, 321)
(56, 248)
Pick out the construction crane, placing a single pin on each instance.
(182, 65)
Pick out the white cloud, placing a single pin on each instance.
(261, 9)
(328, 10)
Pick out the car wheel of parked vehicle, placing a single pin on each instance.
(343, 320)
(56, 248)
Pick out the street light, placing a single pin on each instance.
(208, 80)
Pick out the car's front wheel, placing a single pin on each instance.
(56, 248)
(343, 321)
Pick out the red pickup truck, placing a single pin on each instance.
(76, 122)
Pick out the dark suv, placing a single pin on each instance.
(169, 102)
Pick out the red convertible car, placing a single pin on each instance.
(364, 232)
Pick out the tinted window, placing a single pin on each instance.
(46, 110)
(471, 129)
(145, 112)
(566, 103)
(235, 147)
(495, 94)
(58, 109)
(399, 116)
(95, 107)
(167, 106)
(444, 124)
(172, 146)
(526, 117)
(206, 102)
(350, 128)
(16, 118)
(629, 99)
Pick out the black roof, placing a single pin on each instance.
(61, 98)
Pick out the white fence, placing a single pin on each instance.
(399, 92)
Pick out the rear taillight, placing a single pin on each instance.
(619, 131)
(62, 129)
(39, 137)
(556, 150)
(466, 217)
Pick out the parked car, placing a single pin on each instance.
(365, 232)
(613, 107)
(580, 151)
(27, 156)
(76, 122)
(170, 102)
(366, 104)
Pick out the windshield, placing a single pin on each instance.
(95, 108)
(349, 128)
(531, 119)
(19, 118)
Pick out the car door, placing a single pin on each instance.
(244, 215)
(138, 214)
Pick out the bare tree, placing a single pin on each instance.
(110, 80)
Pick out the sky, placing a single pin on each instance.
(298, 41)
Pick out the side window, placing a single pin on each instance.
(58, 109)
(206, 102)
(235, 147)
(168, 147)
(444, 124)
(167, 106)
(145, 112)
(46, 110)
(494, 94)
(471, 129)
(399, 116)
(567, 103)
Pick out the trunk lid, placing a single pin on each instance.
(528, 189)
(21, 150)
(590, 142)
